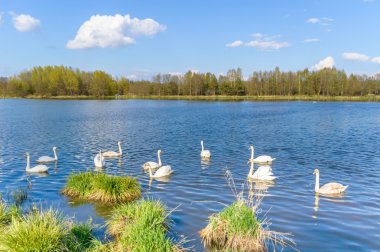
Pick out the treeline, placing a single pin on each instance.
(65, 81)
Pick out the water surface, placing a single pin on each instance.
(341, 139)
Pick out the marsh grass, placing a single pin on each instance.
(141, 226)
(237, 228)
(7, 213)
(102, 188)
(45, 231)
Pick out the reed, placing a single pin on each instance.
(141, 226)
(102, 188)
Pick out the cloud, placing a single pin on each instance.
(355, 56)
(311, 40)
(376, 60)
(1, 17)
(262, 42)
(24, 22)
(113, 31)
(327, 62)
(320, 21)
(236, 43)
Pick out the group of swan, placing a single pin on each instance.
(263, 173)
(163, 171)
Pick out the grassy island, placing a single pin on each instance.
(141, 226)
(102, 188)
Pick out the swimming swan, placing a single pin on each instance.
(261, 159)
(329, 188)
(205, 153)
(163, 171)
(114, 153)
(153, 165)
(99, 160)
(262, 173)
(35, 169)
(47, 159)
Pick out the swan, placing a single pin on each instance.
(47, 159)
(35, 169)
(154, 165)
(260, 159)
(262, 173)
(163, 171)
(329, 188)
(99, 160)
(205, 153)
(114, 153)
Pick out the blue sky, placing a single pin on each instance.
(139, 38)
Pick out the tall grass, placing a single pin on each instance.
(45, 231)
(7, 213)
(102, 187)
(237, 228)
(141, 226)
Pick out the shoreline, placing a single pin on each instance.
(371, 98)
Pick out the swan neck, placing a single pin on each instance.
(251, 170)
(159, 158)
(202, 146)
(27, 163)
(120, 150)
(150, 172)
(317, 182)
(252, 153)
(55, 155)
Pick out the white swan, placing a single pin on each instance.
(329, 188)
(163, 171)
(99, 160)
(114, 153)
(153, 165)
(262, 173)
(35, 169)
(205, 153)
(261, 159)
(47, 159)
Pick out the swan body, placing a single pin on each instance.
(114, 153)
(205, 153)
(264, 159)
(47, 159)
(163, 171)
(35, 169)
(99, 160)
(153, 165)
(262, 173)
(329, 188)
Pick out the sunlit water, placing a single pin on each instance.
(341, 139)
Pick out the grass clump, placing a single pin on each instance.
(45, 231)
(7, 213)
(102, 187)
(235, 228)
(141, 226)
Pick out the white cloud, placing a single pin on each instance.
(320, 21)
(261, 42)
(376, 60)
(24, 22)
(355, 56)
(113, 31)
(311, 40)
(327, 62)
(236, 43)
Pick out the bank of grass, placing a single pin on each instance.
(141, 226)
(237, 228)
(7, 213)
(46, 231)
(101, 187)
(367, 98)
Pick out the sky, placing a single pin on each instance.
(140, 38)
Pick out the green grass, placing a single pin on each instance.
(141, 226)
(235, 228)
(45, 231)
(7, 213)
(102, 188)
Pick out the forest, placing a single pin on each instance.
(50, 81)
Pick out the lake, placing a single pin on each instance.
(340, 138)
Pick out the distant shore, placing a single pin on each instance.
(370, 98)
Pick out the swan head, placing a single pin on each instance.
(160, 151)
(27, 154)
(119, 142)
(201, 141)
(316, 171)
(54, 148)
(251, 147)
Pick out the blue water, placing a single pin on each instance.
(340, 138)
